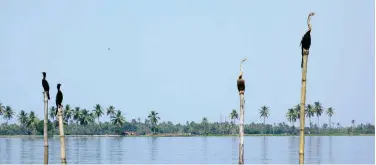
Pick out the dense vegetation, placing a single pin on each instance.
(87, 122)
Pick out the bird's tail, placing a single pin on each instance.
(48, 95)
(57, 108)
(301, 64)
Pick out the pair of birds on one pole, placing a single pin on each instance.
(59, 95)
(305, 43)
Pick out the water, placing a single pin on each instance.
(191, 150)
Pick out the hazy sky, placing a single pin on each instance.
(182, 58)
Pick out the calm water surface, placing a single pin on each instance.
(191, 150)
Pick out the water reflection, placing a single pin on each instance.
(234, 148)
(98, 149)
(23, 148)
(180, 150)
(153, 148)
(330, 150)
(318, 147)
(293, 149)
(308, 148)
(205, 147)
(117, 146)
(8, 147)
(264, 150)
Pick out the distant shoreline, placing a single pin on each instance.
(177, 135)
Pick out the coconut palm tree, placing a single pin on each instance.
(153, 117)
(22, 118)
(264, 113)
(85, 117)
(205, 125)
(8, 113)
(1, 108)
(67, 113)
(318, 110)
(111, 111)
(98, 111)
(297, 111)
(310, 112)
(291, 116)
(330, 113)
(118, 119)
(32, 121)
(234, 115)
(52, 113)
(76, 114)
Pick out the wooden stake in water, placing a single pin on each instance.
(62, 140)
(45, 132)
(302, 106)
(303, 96)
(241, 122)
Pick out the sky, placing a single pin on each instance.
(181, 58)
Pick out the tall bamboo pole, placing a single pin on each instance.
(62, 140)
(303, 97)
(302, 107)
(241, 122)
(241, 130)
(45, 128)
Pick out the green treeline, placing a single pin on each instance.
(87, 122)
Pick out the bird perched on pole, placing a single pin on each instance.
(59, 98)
(305, 43)
(241, 83)
(45, 85)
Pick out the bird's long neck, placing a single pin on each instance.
(309, 23)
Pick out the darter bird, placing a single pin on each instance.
(241, 83)
(305, 43)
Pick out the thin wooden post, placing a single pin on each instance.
(62, 140)
(302, 106)
(241, 130)
(45, 132)
(241, 116)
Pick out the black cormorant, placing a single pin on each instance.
(59, 98)
(45, 85)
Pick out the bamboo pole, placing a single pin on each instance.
(302, 106)
(303, 96)
(62, 140)
(45, 128)
(241, 130)
(241, 122)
